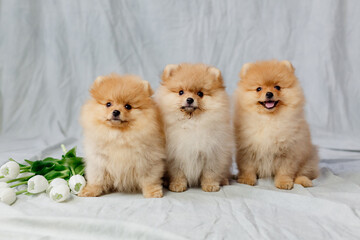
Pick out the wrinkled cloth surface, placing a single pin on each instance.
(51, 51)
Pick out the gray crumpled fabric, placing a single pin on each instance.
(51, 51)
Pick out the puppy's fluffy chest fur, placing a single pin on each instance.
(192, 132)
(117, 154)
(269, 137)
(195, 142)
(116, 140)
(197, 135)
(268, 133)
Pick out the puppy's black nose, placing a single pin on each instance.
(116, 113)
(190, 100)
(269, 94)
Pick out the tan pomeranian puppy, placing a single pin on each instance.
(199, 137)
(124, 141)
(272, 135)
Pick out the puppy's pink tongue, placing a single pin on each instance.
(269, 104)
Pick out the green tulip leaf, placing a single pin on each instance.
(71, 153)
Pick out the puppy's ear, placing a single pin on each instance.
(288, 64)
(169, 71)
(217, 74)
(244, 69)
(99, 79)
(214, 71)
(95, 85)
(147, 87)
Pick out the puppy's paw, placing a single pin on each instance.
(178, 186)
(90, 191)
(155, 191)
(304, 181)
(284, 182)
(214, 187)
(247, 180)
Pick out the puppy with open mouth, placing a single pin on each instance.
(199, 137)
(272, 135)
(124, 141)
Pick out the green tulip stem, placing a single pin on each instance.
(72, 171)
(21, 192)
(1, 177)
(82, 172)
(18, 184)
(19, 179)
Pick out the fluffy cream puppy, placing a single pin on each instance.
(272, 135)
(199, 137)
(123, 138)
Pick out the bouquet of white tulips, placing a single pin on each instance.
(55, 176)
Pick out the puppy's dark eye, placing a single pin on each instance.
(200, 94)
(181, 92)
(108, 104)
(258, 89)
(128, 107)
(277, 88)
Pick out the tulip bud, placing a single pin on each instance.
(56, 182)
(7, 195)
(77, 183)
(60, 193)
(37, 184)
(10, 170)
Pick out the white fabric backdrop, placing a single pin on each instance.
(51, 51)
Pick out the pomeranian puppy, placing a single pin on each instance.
(198, 130)
(124, 141)
(272, 135)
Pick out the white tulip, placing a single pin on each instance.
(60, 193)
(10, 170)
(37, 184)
(77, 183)
(56, 182)
(7, 195)
(4, 185)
